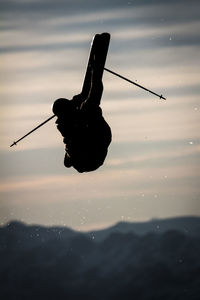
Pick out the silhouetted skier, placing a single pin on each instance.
(86, 134)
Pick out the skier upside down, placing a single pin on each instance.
(80, 121)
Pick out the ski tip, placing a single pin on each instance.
(106, 35)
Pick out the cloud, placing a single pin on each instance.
(121, 179)
(19, 38)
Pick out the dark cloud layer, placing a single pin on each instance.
(58, 263)
(178, 10)
(39, 5)
(37, 15)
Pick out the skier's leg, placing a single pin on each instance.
(98, 63)
(87, 80)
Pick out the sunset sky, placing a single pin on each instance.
(152, 168)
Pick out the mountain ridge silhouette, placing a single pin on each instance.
(58, 262)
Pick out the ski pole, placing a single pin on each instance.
(140, 86)
(114, 73)
(15, 143)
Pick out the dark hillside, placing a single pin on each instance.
(58, 263)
